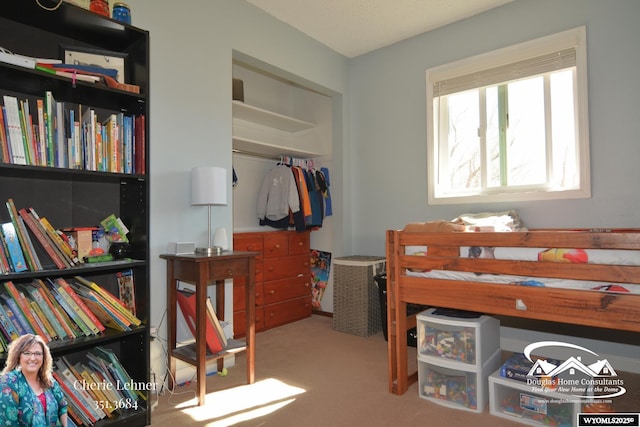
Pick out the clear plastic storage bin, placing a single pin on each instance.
(465, 388)
(472, 340)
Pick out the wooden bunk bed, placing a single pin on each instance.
(602, 309)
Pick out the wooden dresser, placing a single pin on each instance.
(283, 279)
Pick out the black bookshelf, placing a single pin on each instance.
(79, 197)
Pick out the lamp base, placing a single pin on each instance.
(215, 250)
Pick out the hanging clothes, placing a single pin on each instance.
(316, 201)
(328, 208)
(278, 195)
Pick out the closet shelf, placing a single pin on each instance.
(264, 149)
(268, 118)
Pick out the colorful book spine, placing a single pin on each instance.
(50, 114)
(47, 309)
(113, 301)
(4, 251)
(5, 155)
(63, 319)
(23, 305)
(94, 390)
(35, 259)
(19, 321)
(75, 401)
(68, 308)
(121, 374)
(21, 233)
(42, 238)
(57, 242)
(12, 118)
(97, 326)
(126, 289)
(43, 322)
(87, 403)
(16, 257)
(106, 317)
(42, 138)
(11, 332)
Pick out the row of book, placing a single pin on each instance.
(65, 135)
(30, 243)
(97, 387)
(60, 309)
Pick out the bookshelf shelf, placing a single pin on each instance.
(83, 197)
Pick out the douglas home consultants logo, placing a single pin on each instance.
(583, 375)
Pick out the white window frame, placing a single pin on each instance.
(574, 38)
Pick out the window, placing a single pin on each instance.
(510, 124)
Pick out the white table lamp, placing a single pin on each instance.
(208, 187)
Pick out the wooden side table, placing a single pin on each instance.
(202, 271)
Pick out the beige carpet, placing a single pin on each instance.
(307, 374)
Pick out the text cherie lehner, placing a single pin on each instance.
(107, 385)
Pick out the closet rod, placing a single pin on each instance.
(251, 153)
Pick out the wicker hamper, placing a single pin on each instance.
(356, 304)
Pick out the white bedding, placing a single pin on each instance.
(578, 256)
(528, 281)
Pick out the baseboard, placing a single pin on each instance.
(322, 313)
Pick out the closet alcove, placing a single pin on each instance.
(281, 118)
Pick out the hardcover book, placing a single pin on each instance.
(15, 255)
(187, 303)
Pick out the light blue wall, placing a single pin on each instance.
(387, 87)
(192, 44)
(379, 177)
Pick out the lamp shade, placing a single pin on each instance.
(208, 185)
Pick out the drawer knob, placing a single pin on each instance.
(272, 292)
(230, 272)
(306, 285)
(300, 243)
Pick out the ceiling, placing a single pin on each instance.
(355, 27)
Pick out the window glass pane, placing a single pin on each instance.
(463, 141)
(565, 173)
(493, 137)
(511, 124)
(526, 142)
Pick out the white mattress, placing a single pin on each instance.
(591, 256)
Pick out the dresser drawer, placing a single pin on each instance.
(250, 242)
(284, 289)
(291, 266)
(299, 243)
(240, 322)
(239, 297)
(276, 244)
(241, 281)
(286, 312)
